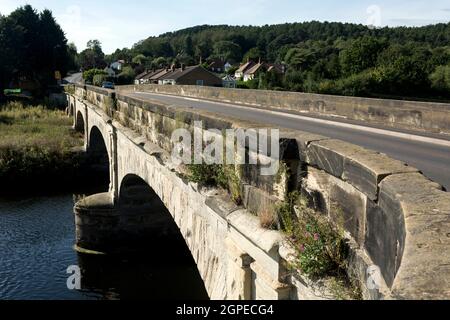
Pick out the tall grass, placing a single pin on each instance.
(35, 144)
(37, 127)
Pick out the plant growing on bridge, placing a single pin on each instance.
(320, 246)
(321, 250)
(223, 176)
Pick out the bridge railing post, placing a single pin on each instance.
(113, 163)
(239, 274)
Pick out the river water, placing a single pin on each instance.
(37, 236)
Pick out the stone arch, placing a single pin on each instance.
(98, 155)
(80, 123)
(71, 108)
(145, 220)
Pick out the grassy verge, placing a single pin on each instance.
(36, 148)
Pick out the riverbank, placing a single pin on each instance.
(39, 151)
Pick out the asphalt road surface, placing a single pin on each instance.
(431, 157)
(75, 78)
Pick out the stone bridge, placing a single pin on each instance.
(394, 217)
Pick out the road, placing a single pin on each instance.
(428, 154)
(74, 78)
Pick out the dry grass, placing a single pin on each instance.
(35, 127)
(267, 219)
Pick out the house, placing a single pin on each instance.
(118, 65)
(228, 66)
(276, 67)
(219, 66)
(151, 76)
(194, 75)
(253, 72)
(156, 75)
(228, 82)
(239, 74)
(140, 77)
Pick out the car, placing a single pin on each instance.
(108, 85)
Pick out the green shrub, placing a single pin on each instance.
(223, 176)
(321, 249)
(99, 79)
(89, 75)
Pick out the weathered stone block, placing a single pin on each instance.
(256, 201)
(384, 235)
(264, 287)
(330, 155)
(426, 262)
(365, 170)
(345, 204)
(348, 208)
(302, 140)
(425, 210)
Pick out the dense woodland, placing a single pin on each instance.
(321, 57)
(333, 58)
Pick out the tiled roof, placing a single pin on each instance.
(141, 75)
(255, 68)
(158, 74)
(178, 73)
(243, 68)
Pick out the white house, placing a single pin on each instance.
(118, 65)
(227, 66)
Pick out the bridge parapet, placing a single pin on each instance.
(395, 218)
(411, 115)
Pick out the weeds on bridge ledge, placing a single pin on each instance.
(223, 176)
(321, 249)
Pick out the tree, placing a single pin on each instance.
(72, 52)
(299, 58)
(203, 50)
(440, 79)
(228, 51)
(126, 76)
(32, 47)
(93, 57)
(89, 75)
(140, 59)
(361, 54)
(159, 62)
(188, 46)
(253, 54)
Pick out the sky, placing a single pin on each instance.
(119, 24)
